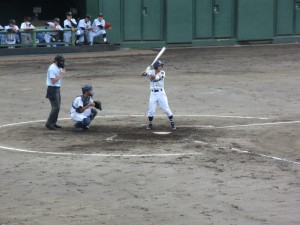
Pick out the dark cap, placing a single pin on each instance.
(100, 15)
(88, 17)
(12, 21)
(68, 14)
(56, 20)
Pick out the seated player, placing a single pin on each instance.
(13, 33)
(83, 32)
(55, 35)
(26, 38)
(83, 109)
(98, 29)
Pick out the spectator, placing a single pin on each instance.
(84, 28)
(98, 29)
(13, 33)
(55, 35)
(71, 24)
(26, 38)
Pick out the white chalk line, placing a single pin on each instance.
(103, 155)
(117, 116)
(265, 156)
(243, 125)
(158, 154)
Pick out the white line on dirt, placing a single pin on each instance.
(266, 156)
(243, 125)
(111, 138)
(155, 155)
(103, 155)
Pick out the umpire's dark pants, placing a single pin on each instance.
(53, 94)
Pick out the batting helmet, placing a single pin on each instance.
(157, 64)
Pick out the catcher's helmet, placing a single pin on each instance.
(157, 64)
(87, 87)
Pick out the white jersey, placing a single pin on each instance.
(159, 82)
(58, 27)
(78, 103)
(1, 28)
(83, 25)
(11, 36)
(70, 23)
(26, 26)
(98, 23)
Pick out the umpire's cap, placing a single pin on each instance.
(157, 64)
(87, 87)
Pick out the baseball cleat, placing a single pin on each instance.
(150, 126)
(173, 126)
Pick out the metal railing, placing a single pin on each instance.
(34, 42)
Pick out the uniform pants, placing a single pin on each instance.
(161, 99)
(83, 35)
(67, 37)
(55, 101)
(96, 34)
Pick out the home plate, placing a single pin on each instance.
(161, 132)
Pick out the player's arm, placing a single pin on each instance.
(56, 79)
(82, 109)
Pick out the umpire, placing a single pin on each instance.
(55, 74)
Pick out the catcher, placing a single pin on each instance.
(83, 108)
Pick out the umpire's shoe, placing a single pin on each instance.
(150, 126)
(50, 126)
(173, 125)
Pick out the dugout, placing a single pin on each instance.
(155, 23)
(17, 9)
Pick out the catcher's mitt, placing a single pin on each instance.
(107, 26)
(98, 105)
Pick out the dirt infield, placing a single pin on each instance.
(234, 158)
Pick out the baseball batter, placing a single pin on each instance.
(158, 94)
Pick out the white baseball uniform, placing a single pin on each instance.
(82, 32)
(49, 35)
(26, 37)
(97, 31)
(69, 24)
(11, 37)
(158, 94)
(2, 36)
(78, 102)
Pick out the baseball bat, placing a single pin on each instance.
(159, 55)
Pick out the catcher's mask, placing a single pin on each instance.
(157, 64)
(87, 88)
(60, 61)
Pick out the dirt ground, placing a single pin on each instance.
(234, 158)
